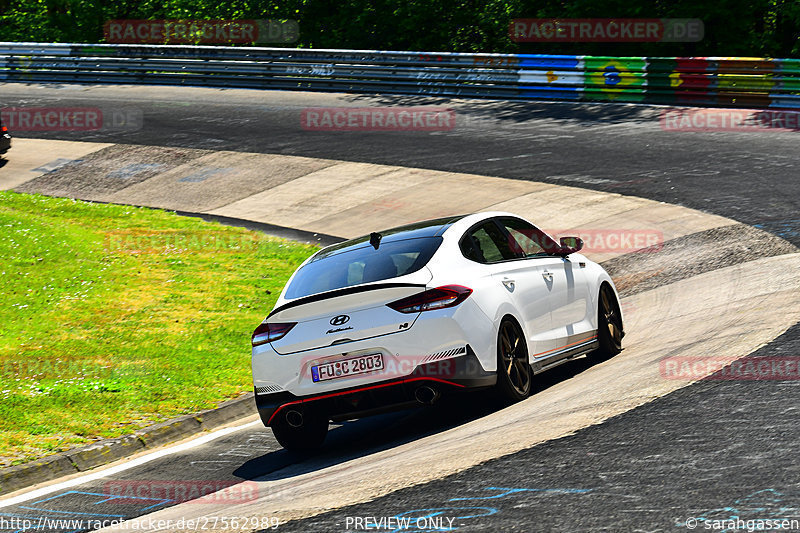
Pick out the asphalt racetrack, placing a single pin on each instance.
(701, 455)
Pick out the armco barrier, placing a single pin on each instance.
(703, 81)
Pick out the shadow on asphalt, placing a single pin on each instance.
(509, 112)
(364, 437)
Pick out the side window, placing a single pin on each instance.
(529, 240)
(487, 244)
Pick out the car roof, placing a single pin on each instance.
(426, 228)
(466, 222)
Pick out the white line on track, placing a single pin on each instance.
(127, 466)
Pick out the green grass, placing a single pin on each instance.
(116, 317)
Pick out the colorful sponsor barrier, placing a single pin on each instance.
(693, 81)
(615, 78)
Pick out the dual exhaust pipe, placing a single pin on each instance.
(424, 395)
(294, 418)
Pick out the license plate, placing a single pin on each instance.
(347, 367)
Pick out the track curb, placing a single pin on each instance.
(87, 457)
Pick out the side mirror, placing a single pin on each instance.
(570, 245)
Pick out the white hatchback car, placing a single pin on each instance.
(398, 317)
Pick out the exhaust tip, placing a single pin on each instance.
(426, 395)
(294, 418)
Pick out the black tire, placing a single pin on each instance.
(514, 374)
(609, 326)
(307, 437)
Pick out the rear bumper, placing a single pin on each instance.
(438, 335)
(445, 377)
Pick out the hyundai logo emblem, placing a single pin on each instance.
(338, 320)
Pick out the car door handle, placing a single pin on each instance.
(508, 283)
(547, 274)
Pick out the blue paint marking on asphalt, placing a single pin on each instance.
(446, 513)
(79, 513)
(204, 174)
(104, 498)
(781, 228)
(65, 519)
(513, 491)
(161, 501)
(128, 171)
(762, 505)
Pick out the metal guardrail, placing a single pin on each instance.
(702, 81)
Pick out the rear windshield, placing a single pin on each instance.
(361, 263)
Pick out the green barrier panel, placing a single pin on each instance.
(790, 85)
(788, 67)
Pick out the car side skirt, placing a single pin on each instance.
(580, 345)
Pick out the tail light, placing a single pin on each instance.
(438, 298)
(265, 332)
(5, 129)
